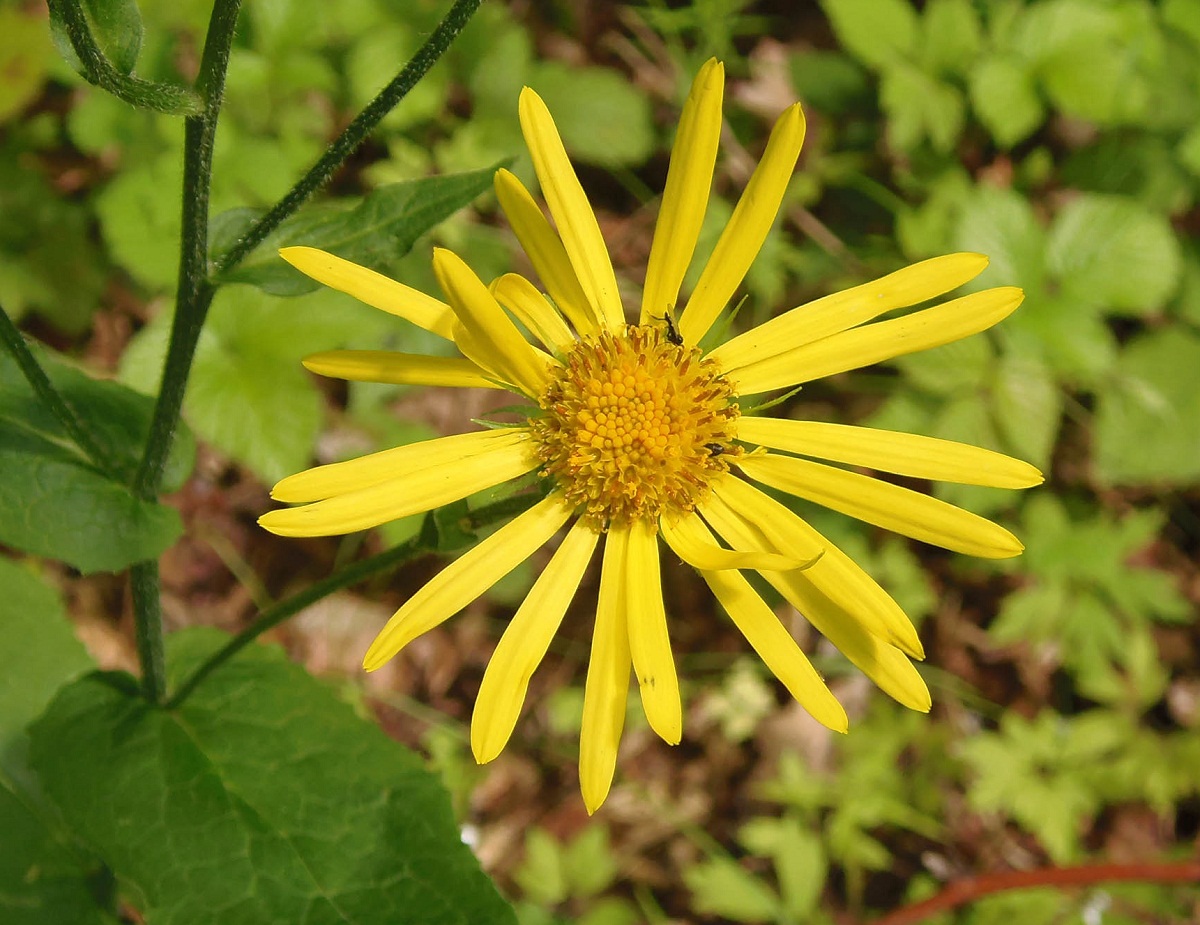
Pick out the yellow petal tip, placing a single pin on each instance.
(297, 253)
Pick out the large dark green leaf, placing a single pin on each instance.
(53, 501)
(117, 413)
(61, 509)
(42, 882)
(377, 230)
(38, 653)
(262, 799)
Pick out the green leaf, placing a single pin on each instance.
(1184, 16)
(1069, 333)
(1148, 417)
(542, 876)
(801, 866)
(724, 888)
(920, 106)
(53, 501)
(49, 260)
(828, 80)
(139, 218)
(952, 36)
(38, 653)
(1075, 47)
(953, 369)
(23, 59)
(1005, 97)
(589, 863)
(877, 32)
(119, 416)
(117, 28)
(602, 117)
(248, 395)
(261, 799)
(1145, 167)
(1033, 771)
(63, 510)
(1112, 251)
(42, 881)
(380, 228)
(1000, 223)
(1028, 406)
(800, 863)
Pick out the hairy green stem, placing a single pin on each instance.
(193, 297)
(194, 293)
(354, 134)
(145, 94)
(425, 542)
(75, 426)
(147, 614)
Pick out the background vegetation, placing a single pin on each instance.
(1060, 137)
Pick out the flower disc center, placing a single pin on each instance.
(635, 425)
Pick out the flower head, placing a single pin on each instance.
(640, 436)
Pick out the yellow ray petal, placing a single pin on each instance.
(788, 538)
(492, 333)
(847, 309)
(577, 225)
(373, 288)
(546, 252)
(419, 490)
(398, 368)
(883, 340)
(467, 577)
(685, 196)
(884, 664)
(776, 647)
(747, 229)
(524, 644)
(520, 297)
(687, 538)
(396, 463)
(736, 502)
(649, 644)
(607, 685)
(891, 507)
(891, 451)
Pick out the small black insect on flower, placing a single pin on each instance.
(673, 335)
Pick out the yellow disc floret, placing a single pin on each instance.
(635, 425)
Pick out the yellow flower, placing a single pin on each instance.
(640, 436)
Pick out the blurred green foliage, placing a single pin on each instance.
(1060, 137)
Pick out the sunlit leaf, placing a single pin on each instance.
(261, 799)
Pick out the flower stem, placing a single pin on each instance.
(194, 293)
(144, 94)
(75, 426)
(354, 133)
(193, 297)
(276, 614)
(426, 541)
(147, 613)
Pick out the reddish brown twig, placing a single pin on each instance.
(973, 888)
